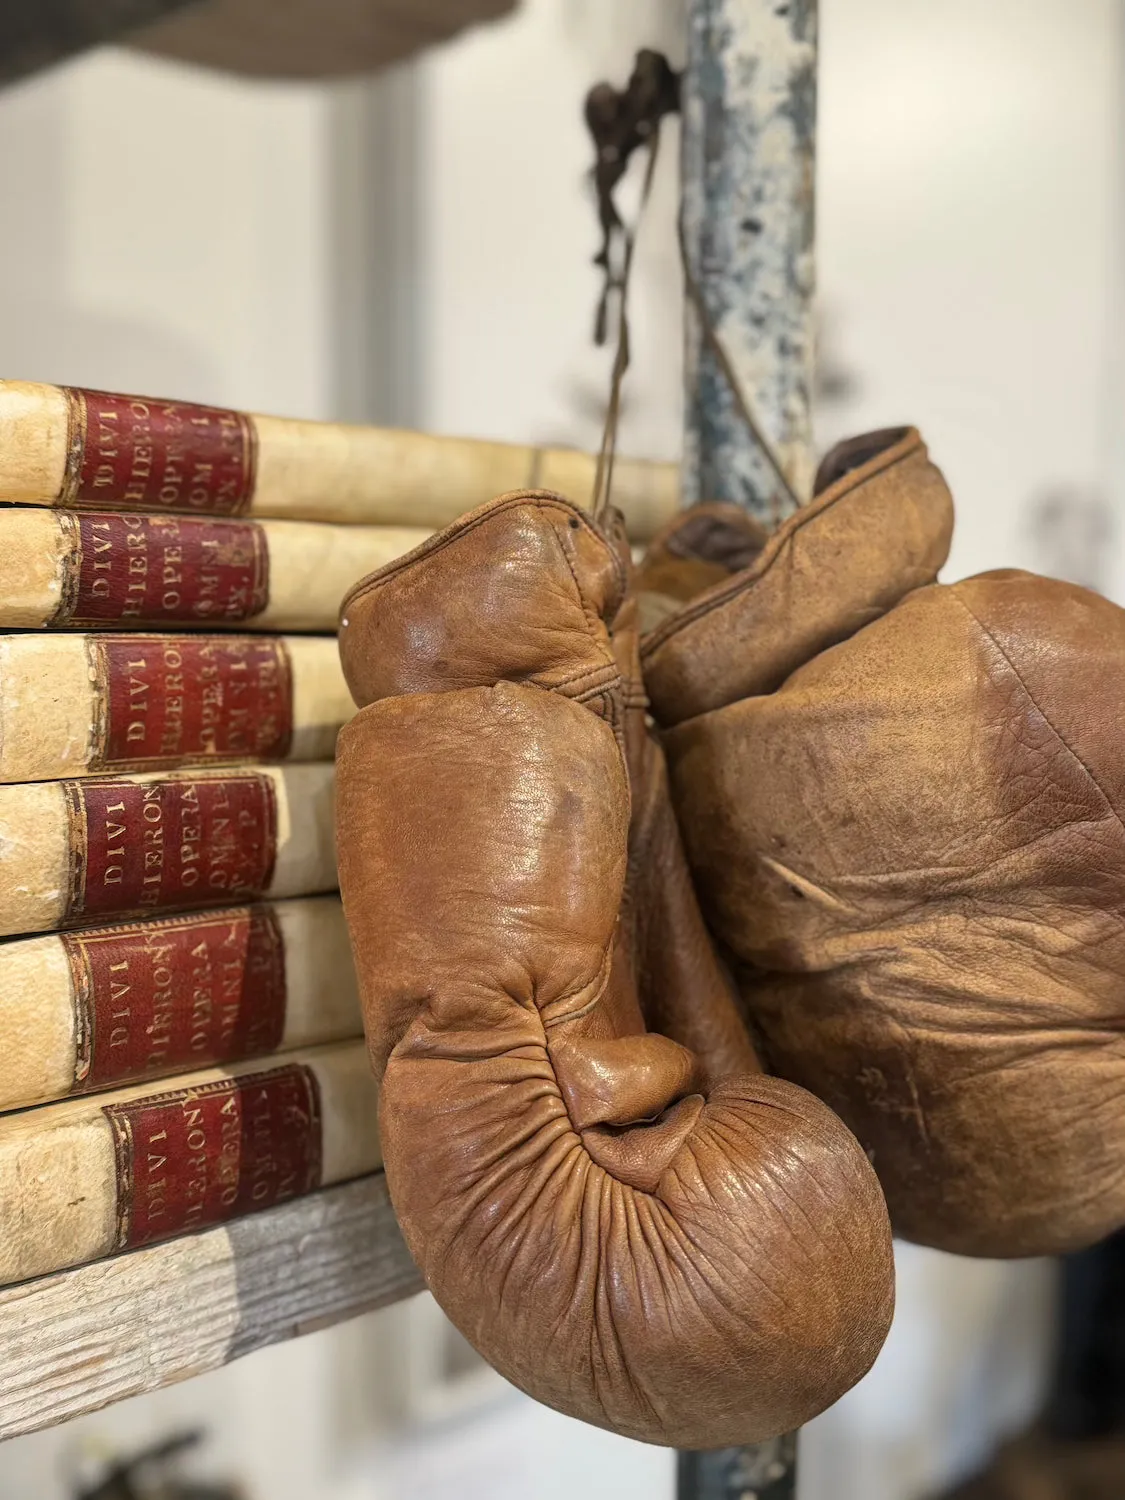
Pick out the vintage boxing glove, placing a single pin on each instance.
(902, 805)
(609, 1198)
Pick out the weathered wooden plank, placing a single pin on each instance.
(749, 116)
(82, 1339)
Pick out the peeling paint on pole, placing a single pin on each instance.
(749, 123)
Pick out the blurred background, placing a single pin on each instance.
(417, 250)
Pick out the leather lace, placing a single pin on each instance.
(622, 122)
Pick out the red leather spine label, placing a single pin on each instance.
(169, 997)
(133, 453)
(144, 847)
(176, 700)
(198, 1156)
(156, 570)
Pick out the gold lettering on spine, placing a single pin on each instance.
(133, 453)
(200, 1155)
(165, 700)
(136, 847)
(154, 997)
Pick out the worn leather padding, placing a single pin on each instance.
(915, 848)
(636, 1227)
(880, 527)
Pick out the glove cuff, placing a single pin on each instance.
(880, 530)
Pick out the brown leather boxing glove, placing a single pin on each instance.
(607, 1196)
(902, 805)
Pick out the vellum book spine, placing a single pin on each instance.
(100, 1007)
(83, 449)
(80, 705)
(109, 1172)
(65, 569)
(109, 848)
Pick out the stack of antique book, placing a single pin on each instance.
(180, 1036)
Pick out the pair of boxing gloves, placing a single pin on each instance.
(693, 961)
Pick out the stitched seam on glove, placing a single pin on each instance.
(722, 593)
(538, 499)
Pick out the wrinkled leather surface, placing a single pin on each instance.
(912, 844)
(621, 1211)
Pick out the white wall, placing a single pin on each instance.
(165, 230)
(970, 208)
(510, 233)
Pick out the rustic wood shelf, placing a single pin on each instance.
(81, 1339)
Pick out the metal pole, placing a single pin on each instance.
(766, 1472)
(749, 120)
(749, 124)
